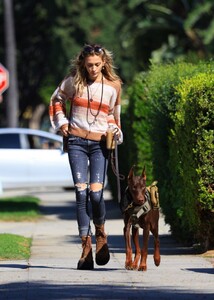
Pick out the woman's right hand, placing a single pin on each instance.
(64, 129)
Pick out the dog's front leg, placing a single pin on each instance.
(128, 246)
(154, 230)
(135, 238)
(157, 257)
(144, 251)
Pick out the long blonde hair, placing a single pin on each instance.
(78, 70)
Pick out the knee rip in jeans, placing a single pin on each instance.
(81, 186)
(96, 187)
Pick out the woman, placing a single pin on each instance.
(94, 90)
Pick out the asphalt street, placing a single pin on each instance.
(51, 271)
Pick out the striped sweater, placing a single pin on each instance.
(83, 120)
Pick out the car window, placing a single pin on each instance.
(39, 142)
(10, 141)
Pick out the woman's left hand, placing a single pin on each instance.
(116, 133)
(64, 129)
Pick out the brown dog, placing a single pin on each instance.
(139, 212)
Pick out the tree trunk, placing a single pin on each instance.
(35, 121)
(10, 47)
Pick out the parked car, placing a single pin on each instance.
(32, 158)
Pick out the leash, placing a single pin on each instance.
(115, 168)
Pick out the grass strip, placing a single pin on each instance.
(20, 208)
(14, 247)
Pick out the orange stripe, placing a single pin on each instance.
(82, 102)
(53, 109)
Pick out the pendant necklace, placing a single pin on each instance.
(90, 99)
(91, 95)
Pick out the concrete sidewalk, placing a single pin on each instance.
(51, 271)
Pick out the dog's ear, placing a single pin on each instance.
(143, 175)
(131, 172)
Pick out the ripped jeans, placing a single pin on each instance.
(88, 161)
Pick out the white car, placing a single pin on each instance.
(32, 158)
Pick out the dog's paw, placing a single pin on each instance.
(134, 267)
(128, 266)
(142, 268)
(157, 260)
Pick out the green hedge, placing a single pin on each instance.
(138, 138)
(169, 128)
(136, 148)
(192, 157)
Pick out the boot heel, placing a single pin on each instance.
(102, 251)
(86, 261)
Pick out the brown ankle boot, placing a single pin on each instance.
(102, 252)
(86, 261)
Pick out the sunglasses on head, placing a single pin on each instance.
(92, 49)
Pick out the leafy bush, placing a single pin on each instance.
(192, 156)
(136, 148)
(169, 127)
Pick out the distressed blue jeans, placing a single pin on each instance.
(88, 161)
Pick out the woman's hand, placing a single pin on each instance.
(64, 129)
(116, 133)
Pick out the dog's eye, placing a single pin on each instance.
(134, 188)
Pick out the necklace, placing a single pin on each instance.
(91, 95)
(89, 105)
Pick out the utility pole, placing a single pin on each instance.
(11, 98)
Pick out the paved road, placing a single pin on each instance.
(51, 272)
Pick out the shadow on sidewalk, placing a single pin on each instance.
(168, 246)
(43, 290)
(67, 210)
